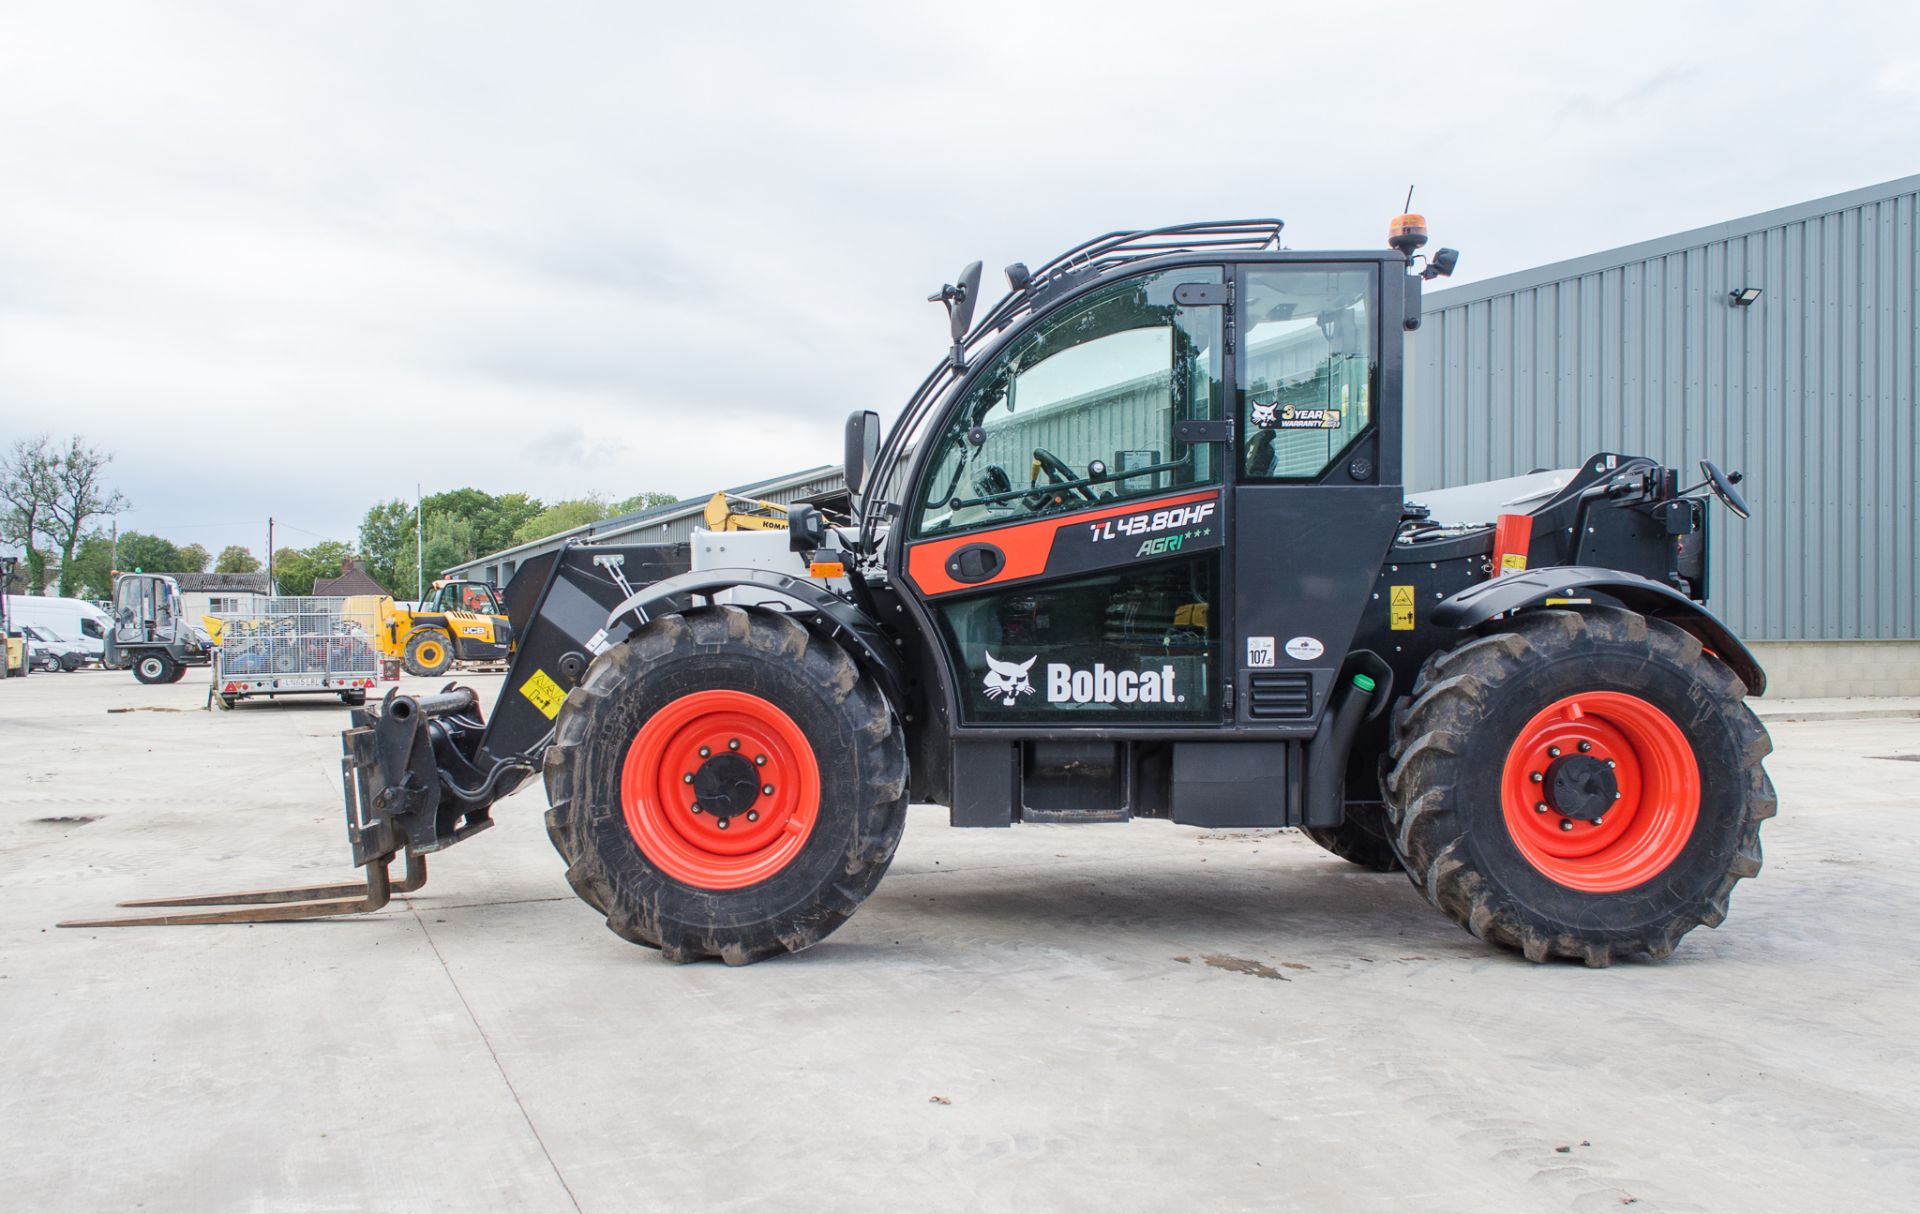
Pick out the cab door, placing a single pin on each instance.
(1065, 533)
(1317, 470)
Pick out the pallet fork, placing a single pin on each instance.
(395, 807)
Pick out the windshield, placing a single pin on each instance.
(1081, 409)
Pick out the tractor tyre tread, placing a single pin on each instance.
(585, 821)
(1363, 837)
(1435, 751)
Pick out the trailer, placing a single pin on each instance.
(301, 645)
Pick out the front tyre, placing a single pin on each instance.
(428, 653)
(1579, 784)
(727, 784)
(154, 667)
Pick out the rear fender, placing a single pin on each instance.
(826, 614)
(1581, 585)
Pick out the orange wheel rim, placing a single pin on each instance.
(720, 789)
(1600, 791)
(430, 654)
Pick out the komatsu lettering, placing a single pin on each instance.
(1065, 685)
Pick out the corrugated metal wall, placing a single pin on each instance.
(1810, 392)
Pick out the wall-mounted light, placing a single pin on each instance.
(1744, 297)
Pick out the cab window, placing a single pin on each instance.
(1309, 367)
(1080, 411)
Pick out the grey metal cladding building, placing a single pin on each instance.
(1809, 390)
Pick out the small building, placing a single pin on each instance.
(223, 593)
(353, 579)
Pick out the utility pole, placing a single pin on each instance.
(419, 547)
(269, 554)
(113, 553)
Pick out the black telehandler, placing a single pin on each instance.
(1210, 601)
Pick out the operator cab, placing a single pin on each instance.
(475, 597)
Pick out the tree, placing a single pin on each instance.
(26, 502)
(149, 554)
(642, 501)
(561, 516)
(295, 569)
(194, 559)
(80, 495)
(236, 559)
(92, 567)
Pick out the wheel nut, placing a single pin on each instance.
(705, 751)
(687, 779)
(1610, 763)
(733, 743)
(1585, 747)
(1553, 752)
(1600, 820)
(695, 808)
(1536, 777)
(753, 815)
(766, 790)
(1616, 796)
(759, 760)
(721, 823)
(1566, 824)
(1540, 807)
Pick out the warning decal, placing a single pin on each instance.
(1400, 608)
(545, 694)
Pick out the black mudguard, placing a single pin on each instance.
(1583, 584)
(828, 614)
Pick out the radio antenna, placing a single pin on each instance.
(1409, 205)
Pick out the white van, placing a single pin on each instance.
(74, 619)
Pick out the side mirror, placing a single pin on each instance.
(862, 447)
(960, 299)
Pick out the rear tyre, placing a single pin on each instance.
(1579, 784)
(179, 672)
(1363, 837)
(770, 845)
(154, 668)
(427, 654)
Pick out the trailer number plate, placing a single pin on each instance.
(544, 693)
(1400, 608)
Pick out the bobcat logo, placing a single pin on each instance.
(1264, 416)
(1007, 681)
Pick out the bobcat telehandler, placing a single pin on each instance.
(1136, 548)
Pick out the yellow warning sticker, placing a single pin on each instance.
(1512, 562)
(1400, 608)
(545, 694)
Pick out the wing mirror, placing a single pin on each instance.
(862, 447)
(960, 299)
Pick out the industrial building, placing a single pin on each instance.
(1782, 345)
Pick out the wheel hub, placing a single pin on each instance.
(1600, 791)
(1581, 787)
(720, 789)
(725, 785)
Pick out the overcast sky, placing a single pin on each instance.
(290, 259)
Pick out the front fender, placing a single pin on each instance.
(827, 614)
(1540, 587)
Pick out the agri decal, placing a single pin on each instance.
(1006, 681)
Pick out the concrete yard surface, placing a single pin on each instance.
(1138, 1017)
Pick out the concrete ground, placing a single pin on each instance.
(1128, 1017)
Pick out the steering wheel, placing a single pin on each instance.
(1059, 472)
(1723, 487)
